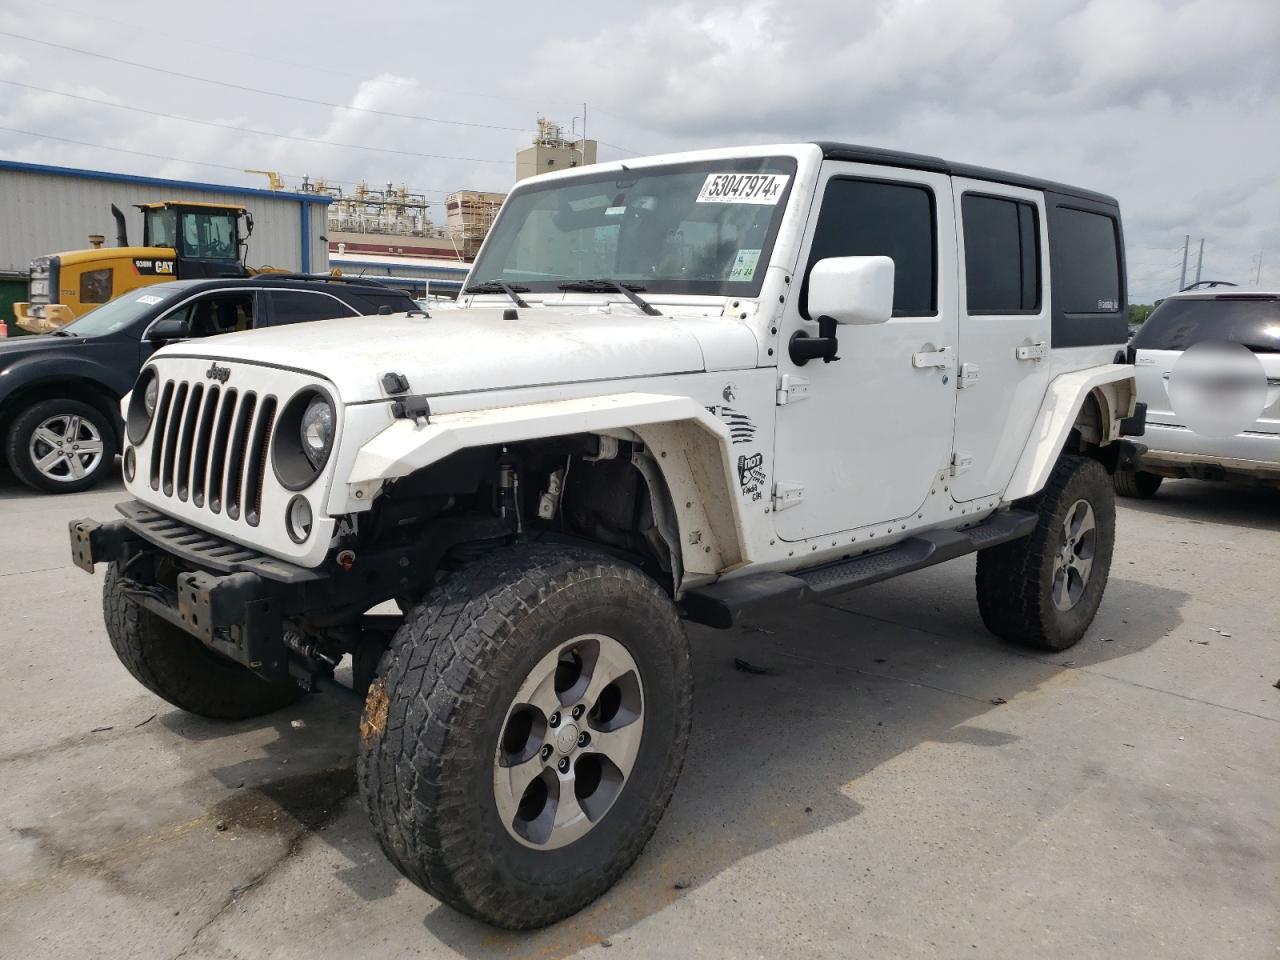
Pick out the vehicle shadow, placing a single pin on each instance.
(788, 714)
(1203, 501)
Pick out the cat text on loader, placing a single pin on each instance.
(180, 239)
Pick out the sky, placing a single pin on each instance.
(1172, 106)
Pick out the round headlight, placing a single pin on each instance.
(317, 431)
(299, 519)
(143, 400)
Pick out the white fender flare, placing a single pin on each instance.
(689, 446)
(1112, 387)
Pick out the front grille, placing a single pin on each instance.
(211, 447)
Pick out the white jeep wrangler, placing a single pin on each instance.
(695, 387)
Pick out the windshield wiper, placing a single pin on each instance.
(499, 286)
(604, 283)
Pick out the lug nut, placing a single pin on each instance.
(578, 711)
(553, 720)
(563, 765)
(546, 751)
(584, 738)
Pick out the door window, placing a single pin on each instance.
(861, 218)
(295, 306)
(1001, 255)
(220, 313)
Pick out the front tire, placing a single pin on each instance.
(176, 666)
(1136, 483)
(526, 732)
(1044, 589)
(61, 446)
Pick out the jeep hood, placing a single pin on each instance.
(464, 351)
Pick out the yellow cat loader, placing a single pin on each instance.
(180, 239)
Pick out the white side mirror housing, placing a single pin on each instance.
(852, 289)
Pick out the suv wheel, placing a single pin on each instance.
(1136, 483)
(1043, 590)
(525, 733)
(61, 446)
(176, 666)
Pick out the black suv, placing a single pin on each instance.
(60, 392)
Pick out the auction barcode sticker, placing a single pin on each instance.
(762, 188)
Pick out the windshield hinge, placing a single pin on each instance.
(412, 407)
(787, 493)
(792, 389)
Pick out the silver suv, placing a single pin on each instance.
(1175, 450)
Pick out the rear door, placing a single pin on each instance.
(1004, 331)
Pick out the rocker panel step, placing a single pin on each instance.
(726, 603)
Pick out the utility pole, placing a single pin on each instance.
(1186, 247)
(1200, 260)
(1257, 275)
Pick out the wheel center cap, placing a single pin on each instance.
(567, 738)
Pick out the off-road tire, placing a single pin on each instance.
(1136, 483)
(176, 666)
(17, 449)
(434, 714)
(1015, 579)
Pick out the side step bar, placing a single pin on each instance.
(727, 603)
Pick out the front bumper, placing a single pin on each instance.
(233, 600)
(260, 611)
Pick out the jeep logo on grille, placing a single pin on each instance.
(215, 372)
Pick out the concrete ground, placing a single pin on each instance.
(873, 795)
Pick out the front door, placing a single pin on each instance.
(1004, 332)
(874, 432)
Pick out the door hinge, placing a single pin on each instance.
(1034, 351)
(961, 461)
(968, 375)
(933, 358)
(787, 493)
(792, 389)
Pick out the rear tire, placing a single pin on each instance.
(1136, 483)
(1044, 589)
(176, 666)
(458, 731)
(61, 446)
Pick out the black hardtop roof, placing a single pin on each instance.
(855, 153)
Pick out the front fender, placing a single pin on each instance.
(1113, 389)
(689, 446)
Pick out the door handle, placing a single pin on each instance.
(933, 358)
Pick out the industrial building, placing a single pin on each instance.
(54, 209)
(551, 150)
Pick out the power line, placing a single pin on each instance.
(238, 129)
(266, 93)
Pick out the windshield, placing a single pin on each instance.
(1179, 322)
(693, 228)
(119, 313)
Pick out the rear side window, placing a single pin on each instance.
(297, 306)
(1087, 273)
(1177, 324)
(862, 218)
(1086, 266)
(1001, 255)
(368, 304)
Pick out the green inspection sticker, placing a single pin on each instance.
(744, 265)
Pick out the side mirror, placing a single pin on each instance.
(852, 289)
(169, 328)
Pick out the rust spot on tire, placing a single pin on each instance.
(374, 719)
